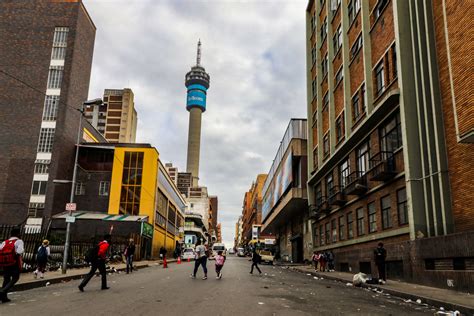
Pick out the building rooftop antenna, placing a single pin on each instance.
(198, 58)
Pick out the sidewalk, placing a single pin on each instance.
(450, 300)
(27, 281)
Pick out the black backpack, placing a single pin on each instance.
(42, 254)
(92, 254)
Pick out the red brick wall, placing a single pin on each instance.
(460, 156)
(354, 29)
(356, 71)
(339, 98)
(383, 33)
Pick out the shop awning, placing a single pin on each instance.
(104, 217)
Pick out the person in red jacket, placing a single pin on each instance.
(98, 263)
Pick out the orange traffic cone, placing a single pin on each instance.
(165, 264)
(179, 260)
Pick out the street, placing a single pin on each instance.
(171, 291)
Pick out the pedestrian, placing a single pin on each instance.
(220, 259)
(200, 260)
(98, 262)
(380, 254)
(129, 252)
(163, 253)
(42, 259)
(11, 261)
(255, 261)
(314, 260)
(330, 259)
(322, 262)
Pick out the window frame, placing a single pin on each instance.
(404, 205)
(363, 157)
(104, 188)
(379, 78)
(342, 231)
(372, 217)
(349, 224)
(360, 217)
(386, 212)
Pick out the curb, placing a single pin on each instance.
(465, 310)
(42, 283)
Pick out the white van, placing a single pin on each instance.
(218, 247)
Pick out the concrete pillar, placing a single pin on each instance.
(194, 144)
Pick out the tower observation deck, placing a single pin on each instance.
(197, 82)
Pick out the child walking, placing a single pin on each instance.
(220, 259)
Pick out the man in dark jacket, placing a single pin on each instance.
(129, 252)
(98, 263)
(255, 261)
(380, 254)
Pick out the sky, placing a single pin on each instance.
(254, 52)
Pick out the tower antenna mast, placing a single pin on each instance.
(198, 57)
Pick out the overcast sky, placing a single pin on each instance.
(254, 52)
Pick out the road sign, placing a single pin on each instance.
(70, 206)
(70, 219)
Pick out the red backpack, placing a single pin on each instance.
(8, 255)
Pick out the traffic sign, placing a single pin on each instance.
(70, 206)
(70, 219)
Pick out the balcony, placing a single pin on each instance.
(382, 166)
(322, 204)
(337, 196)
(356, 183)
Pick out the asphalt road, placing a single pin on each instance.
(158, 291)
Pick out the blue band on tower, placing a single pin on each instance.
(196, 97)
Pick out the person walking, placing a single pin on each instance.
(220, 259)
(380, 254)
(255, 261)
(314, 260)
(129, 252)
(322, 262)
(98, 263)
(200, 260)
(11, 251)
(330, 259)
(42, 259)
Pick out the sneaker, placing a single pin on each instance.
(220, 275)
(105, 288)
(217, 277)
(193, 276)
(204, 277)
(35, 274)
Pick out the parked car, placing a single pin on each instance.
(218, 247)
(240, 252)
(266, 256)
(188, 253)
(231, 251)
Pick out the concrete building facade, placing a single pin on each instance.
(116, 118)
(391, 151)
(46, 50)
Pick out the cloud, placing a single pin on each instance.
(254, 52)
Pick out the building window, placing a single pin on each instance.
(131, 183)
(363, 100)
(394, 61)
(337, 40)
(344, 171)
(402, 206)
(360, 221)
(334, 230)
(41, 168)
(353, 8)
(372, 217)
(328, 233)
(379, 79)
(391, 134)
(326, 144)
(321, 235)
(342, 230)
(339, 76)
(329, 184)
(313, 88)
(50, 110)
(104, 187)
(324, 29)
(313, 55)
(350, 232)
(39, 188)
(356, 113)
(325, 100)
(386, 213)
(324, 65)
(45, 143)
(381, 4)
(356, 47)
(340, 127)
(59, 43)
(80, 188)
(55, 77)
(315, 235)
(315, 158)
(363, 156)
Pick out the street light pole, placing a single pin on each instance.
(73, 182)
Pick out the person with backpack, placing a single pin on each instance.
(322, 262)
(11, 262)
(256, 259)
(200, 260)
(97, 260)
(42, 259)
(314, 260)
(129, 252)
(379, 255)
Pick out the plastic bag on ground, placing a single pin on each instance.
(359, 279)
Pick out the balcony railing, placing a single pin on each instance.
(356, 183)
(337, 196)
(382, 166)
(322, 204)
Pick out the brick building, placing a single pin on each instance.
(46, 51)
(390, 161)
(252, 208)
